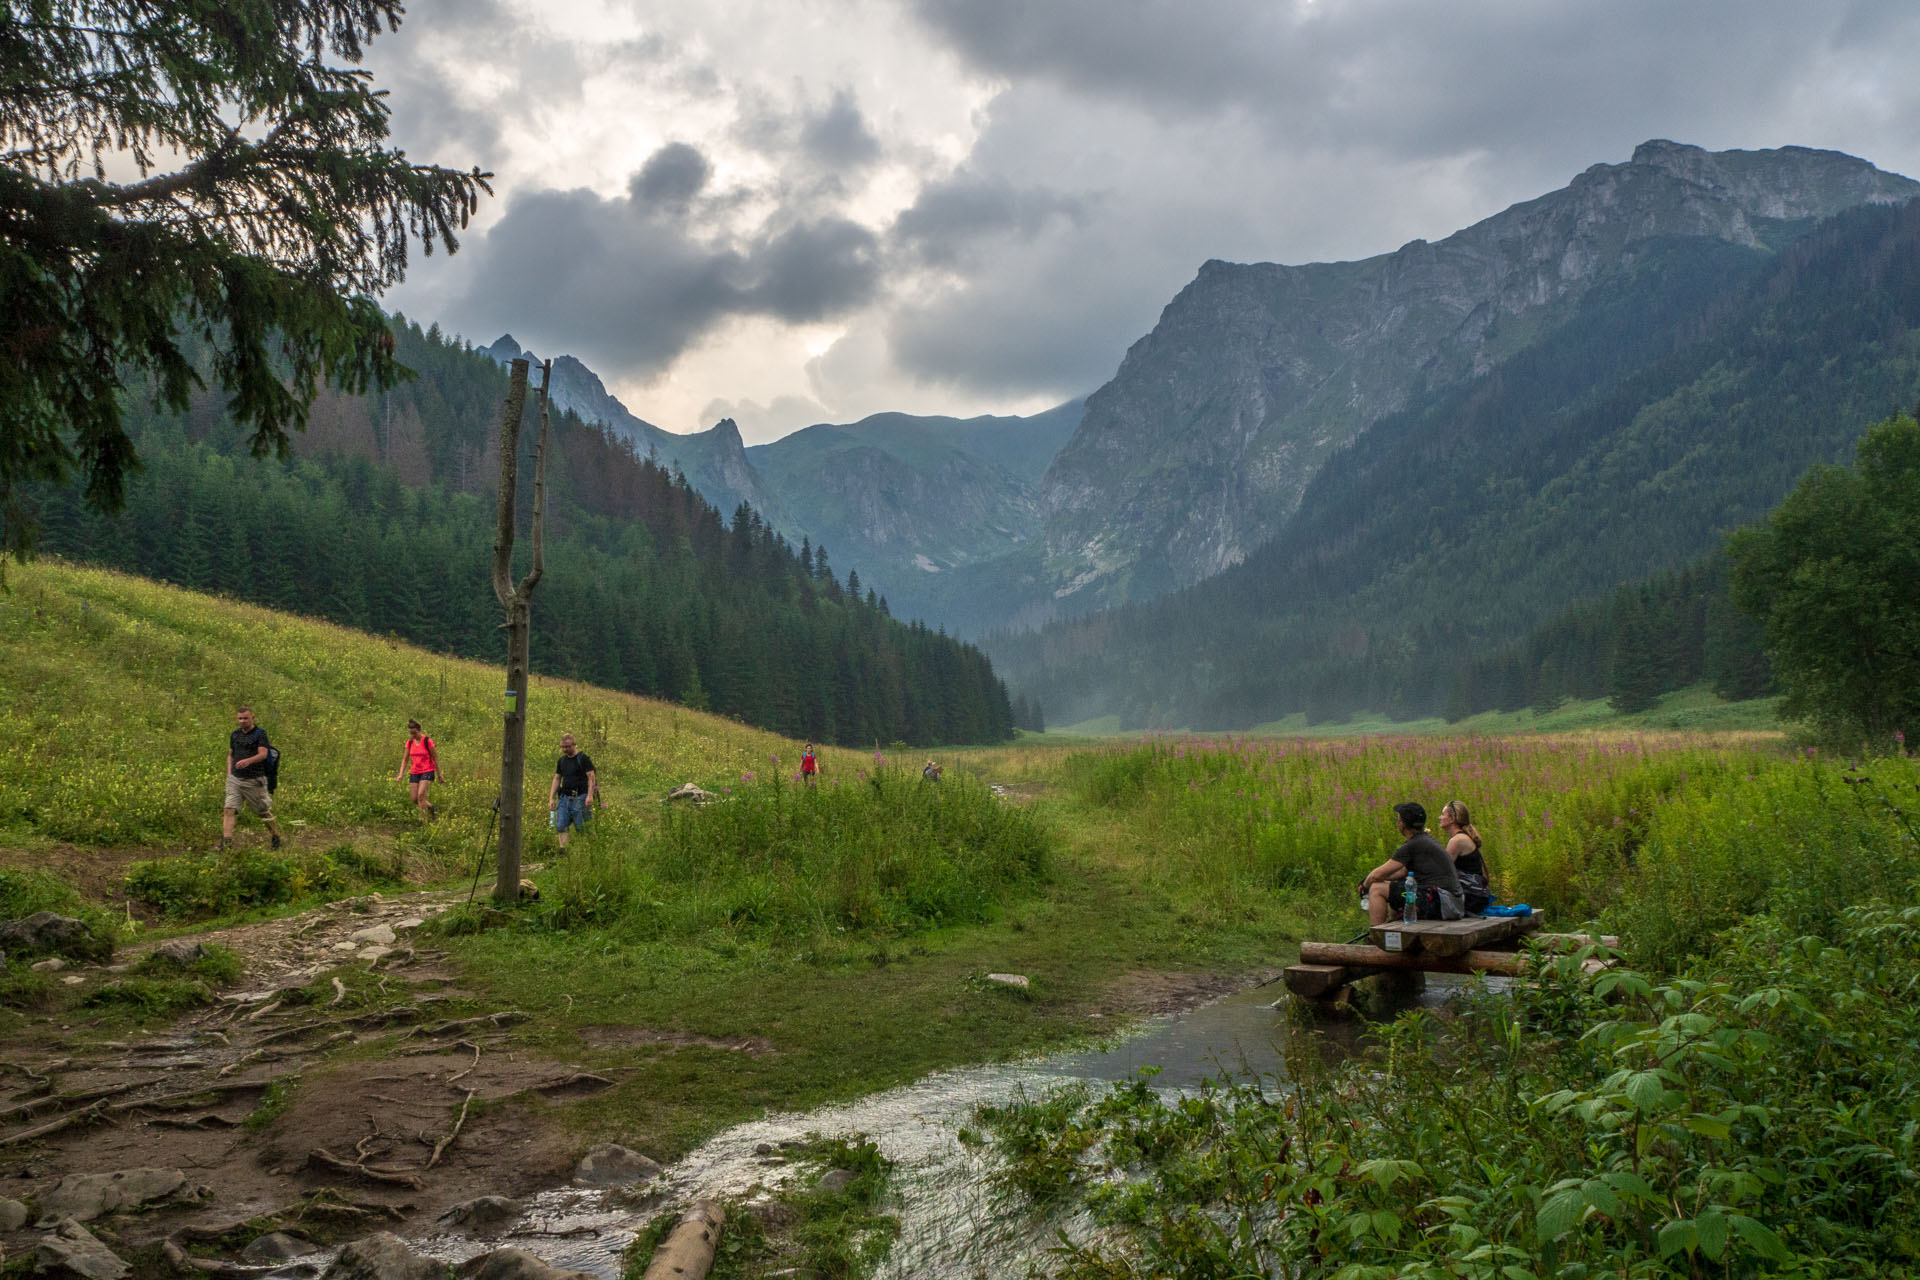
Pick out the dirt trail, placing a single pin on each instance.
(346, 1084)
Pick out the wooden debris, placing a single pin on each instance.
(440, 1147)
(321, 1158)
(687, 1252)
(1350, 955)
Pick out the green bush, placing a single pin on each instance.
(1755, 1118)
(150, 998)
(23, 892)
(196, 886)
(887, 853)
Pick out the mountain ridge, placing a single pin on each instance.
(1255, 374)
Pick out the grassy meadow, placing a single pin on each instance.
(790, 945)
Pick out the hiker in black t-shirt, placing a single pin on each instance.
(246, 777)
(1419, 853)
(575, 788)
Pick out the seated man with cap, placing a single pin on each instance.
(1438, 883)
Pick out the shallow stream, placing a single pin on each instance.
(950, 1225)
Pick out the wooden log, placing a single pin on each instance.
(1451, 937)
(1315, 981)
(687, 1252)
(1575, 941)
(1351, 955)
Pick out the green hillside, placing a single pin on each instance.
(385, 522)
(122, 691)
(1682, 401)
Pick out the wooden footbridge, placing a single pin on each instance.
(1477, 944)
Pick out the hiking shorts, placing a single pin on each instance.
(421, 777)
(249, 793)
(570, 811)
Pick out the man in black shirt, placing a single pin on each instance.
(1422, 855)
(247, 777)
(575, 788)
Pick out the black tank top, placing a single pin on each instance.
(1471, 863)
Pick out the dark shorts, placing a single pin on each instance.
(421, 777)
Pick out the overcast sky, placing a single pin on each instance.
(793, 211)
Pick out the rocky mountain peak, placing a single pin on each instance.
(1201, 445)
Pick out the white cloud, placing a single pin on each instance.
(975, 205)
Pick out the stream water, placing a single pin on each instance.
(950, 1225)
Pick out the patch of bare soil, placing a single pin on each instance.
(99, 874)
(1149, 991)
(343, 1089)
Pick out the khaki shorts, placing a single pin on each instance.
(250, 793)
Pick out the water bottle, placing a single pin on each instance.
(1409, 906)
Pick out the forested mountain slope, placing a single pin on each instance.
(385, 522)
(1256, 375)
(1680, 400)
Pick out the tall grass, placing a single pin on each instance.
(883, 853)
(120, 695)
(1670, 838)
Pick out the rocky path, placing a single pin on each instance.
(348, 1084)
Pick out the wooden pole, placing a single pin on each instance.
(1362, 957)
(516, 601)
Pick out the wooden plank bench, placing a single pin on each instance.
(1452, 937)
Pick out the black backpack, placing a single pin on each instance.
(273, 769)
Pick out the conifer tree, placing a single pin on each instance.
(266, 213)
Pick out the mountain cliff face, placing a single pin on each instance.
(1200, 447)
(715, 460)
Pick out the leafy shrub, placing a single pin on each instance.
(23, 892)
(888, 853)
(1753, 1118)
(215, 964)
(243, 878)
(150, 999)
(22, 988)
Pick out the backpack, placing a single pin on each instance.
(273, 769)
(1476, 891)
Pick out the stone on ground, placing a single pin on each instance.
(837, 1179)
(44, 933)
(86, 1196)
(484, 1215)
(179, 952)
(515, 1264)
(278, 1246)
(612, 1165)
(71, 1252)
(383, 1256)
(380, 935)
(13, 1216)
(1016, 980)
(688, 791)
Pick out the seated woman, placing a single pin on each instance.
(1463, 846)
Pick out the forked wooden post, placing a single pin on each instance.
(517, 602)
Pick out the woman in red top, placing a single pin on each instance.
(809, 765)
(417, 770)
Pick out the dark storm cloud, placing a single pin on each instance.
(952, 216)
(1410, 77)
(838, 138)
(630, 283)
(672, 176)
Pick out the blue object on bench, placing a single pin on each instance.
(1522, 910)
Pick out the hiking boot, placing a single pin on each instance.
(433, 814)
(225, 844)
(275, 841)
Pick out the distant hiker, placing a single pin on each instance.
(809, 766)
(575, 788)
(1437, 883)
(247, 749)
(1463, 846)
(418, 769)
(931, 773)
